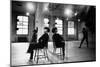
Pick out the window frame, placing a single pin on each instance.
(70, 28)
(22, 21)
(60, 27)
(47, 23)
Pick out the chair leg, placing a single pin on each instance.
(60, 51)
(44, 50)
(47, 55)
(37, 56)
(54, 51)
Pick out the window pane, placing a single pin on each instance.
(22, 23)
(58, 21)
(25, 27)
(59, 29)
(25, 18)
(19, 31)
(71, 31)
(22, 31)
(46, 25)
(19, 26)
(60, 32)
(70, 24)
(46, 20)
(25, 31)
(58, 25)
(19, 18)
(19, 23)
(25, 23)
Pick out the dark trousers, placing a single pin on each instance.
(84, 38)
(31, 55)
(63, 49)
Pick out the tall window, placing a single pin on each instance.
(59, 25)
(71, 30)
(46, 22)
(22, 25)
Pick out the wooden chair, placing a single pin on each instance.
(37, 52)
(55, 47)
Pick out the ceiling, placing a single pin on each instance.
(21, 6)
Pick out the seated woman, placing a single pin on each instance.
(43, 40)
(58, 41)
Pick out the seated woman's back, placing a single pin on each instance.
(57, 38)
(44, 38)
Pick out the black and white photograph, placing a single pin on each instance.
(46, 33)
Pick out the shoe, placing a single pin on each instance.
(79, 47)
(87, 47)
(30, 60)
(63, 57)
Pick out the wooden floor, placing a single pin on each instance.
(72, 54)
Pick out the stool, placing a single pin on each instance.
(60, 53)
(38, 56)
(55, 47)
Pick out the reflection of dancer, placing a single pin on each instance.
(85, 37)
(58, 40)
(32, 44)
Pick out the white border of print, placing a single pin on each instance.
(5, 33)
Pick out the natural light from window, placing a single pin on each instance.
(22, 25)
(46, 22)
(71, 30)
(59, 25)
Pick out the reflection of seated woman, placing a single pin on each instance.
(58, 41)
(43, 41)
(32, 44)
